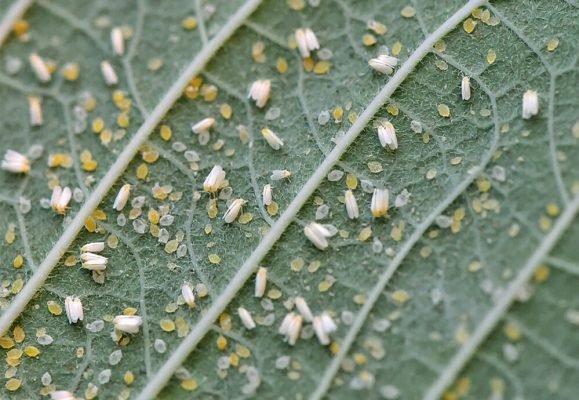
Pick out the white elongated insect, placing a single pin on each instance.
(93, 262)
(118, 41)
(62, 395)
(93, 247)
(530, 104)
(246, 318)
(214, 180)
(318, 234)
(39, 67)
(328, 323)
(351, 205)
(379, 204)
(187, 293)
(35, 109)
(15, 162)
(203, 126)
(321, 334)
(128, 323)
(279, 174)
(384, 64)
(307, 41)
(60, 199)
(267, 195)
(74, 311)
(285, 324)
(323, 326)
(387, 135)
(259, 92)
(260, 281)
(272, 139)
(293, 330)
(122, 197)
(304, 309)
(465, 88)
(233, 210)
(109, 74)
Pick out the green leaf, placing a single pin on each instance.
(424, 305)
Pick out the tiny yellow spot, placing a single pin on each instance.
(123, 120)
(209, 92)
(13, 384)
(281, 65)
(221, 342)
(99, 214)
(6, 342)
(225, 111)
(17, 286)
(338, 113)
(274, 294)
(297, 264)
(408, 12)
(273, 208)
(440, 46)
(18, 261)
(189, 384)
(54, 307)
(171, 246)
(129, 377)
(70, 71)
(491, 56)
(245, 218)
(242, 351)
(400, 296)
(296, 4)
(365, 234)
(334, 347)
(142, 171)
(167, 325)
(322, 67)
(541, 274)
(360, 359)
(351, 182)
(368, 39)
(396, 49)
(214, 259)
(18, 334)
(225, 321)
(392, 109)
(552, 44)
(552, 209)
(189, 23)
(443, 110)
(166, 132)
(98, 125)
(512, 332)
(90, 224)
(308, 64)
(468, 25)
(31, 351)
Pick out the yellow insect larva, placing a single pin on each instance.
(122, 197)
(35, 108)
(279, 174)
(246, 318)
(318, 234)
(307, 41)
(93, 262)
(15, 162)
(203, 126)
(187, 293)
(60, 199)
(530, 104)
(260, 281)
(351, 205)
(109, 74)
(39, 67)
(465, 88)
(259, 92)
(233, 210)
(387, 135)
(214, 180)
(128, 323)
(304, 309)
(93, 247)
(383, 63)
(267, 195)
(379, 204)
(118, 41)
(272, 139)
(74, 311)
